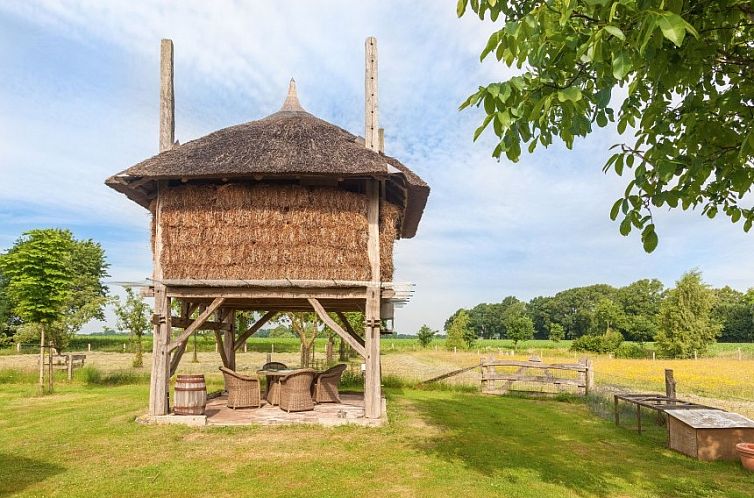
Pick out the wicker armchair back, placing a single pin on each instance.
(295, 390)
(243, 391)
(274, 365)
(325, 387)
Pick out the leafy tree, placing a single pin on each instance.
(306, 326)
(8, 321)
(674, 72)
(425, 335)
(574, 308)
(133, 318)
(556, 332)
(518, 325)
(640, 301)
(54, 283)
(460, 333)
(735, 314)
(608, 316)
(538, 310)
(686, 323)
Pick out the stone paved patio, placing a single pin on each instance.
(349, 411)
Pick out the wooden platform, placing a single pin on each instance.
(350, 411)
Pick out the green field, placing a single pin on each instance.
(83, 441)
(206, 342)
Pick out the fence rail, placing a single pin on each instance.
(535, 372)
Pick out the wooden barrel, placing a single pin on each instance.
(190, 395)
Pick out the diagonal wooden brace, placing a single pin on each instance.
(197, 323)
(322, 314)
(253, 329)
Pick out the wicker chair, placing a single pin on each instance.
(296, 390)
(325, 386)
(243, 391)
(274, 365)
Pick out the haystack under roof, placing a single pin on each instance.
(287, 144)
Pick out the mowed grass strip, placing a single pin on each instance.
(83, 441)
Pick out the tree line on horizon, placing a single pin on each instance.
(682, 319)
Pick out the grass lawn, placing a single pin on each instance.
(83, 441)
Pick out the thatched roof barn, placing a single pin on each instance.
(285, 213)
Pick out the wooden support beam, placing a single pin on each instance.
(372, 325)
(253, 329)
(167, 96)
(230, 341)
(175, 359)
(197, 323)
(221, 348)
(348, 327)
(322, 314)
(371, 132)
(183, 323)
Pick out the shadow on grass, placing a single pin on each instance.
(563, 445)
(17, 473)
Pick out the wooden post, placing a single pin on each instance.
(230, 341)
(669, 383)
(382, 140)
(371, 132)
(70, 367)
(589, 376)
(615, 410)
(89, 347)
(167, 96)
(638, 418)
(372, 375)
(18, 349)
(159, 392)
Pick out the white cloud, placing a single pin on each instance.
(491, 229)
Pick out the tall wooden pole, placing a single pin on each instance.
(42, 360)
(372, 375)
(160, 377)
(167, 96)
(371, 132)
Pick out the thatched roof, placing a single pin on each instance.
(286, 144)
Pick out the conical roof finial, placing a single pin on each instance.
(291, 101)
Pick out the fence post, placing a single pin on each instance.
(18, 349)
(695, 357)
(245, 347)
(70, 367)
(653, 356)
(89, 347)
(739, 354)
(669, 383)
(589, 376)
(269, 357)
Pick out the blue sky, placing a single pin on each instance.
(79, 102)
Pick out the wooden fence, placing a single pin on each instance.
(502, 376)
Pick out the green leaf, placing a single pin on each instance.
(625, 226)
(673, 27)
(616, 209)
(649, 238)
(571, 93)
(621, 66)
(615, 31)
(461, 7)
(484, 125)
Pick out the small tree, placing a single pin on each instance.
(686, 323)
(133, 318)
(519, 328)
(306, 327)
(460, 333)
(425, 335)
(556, 332)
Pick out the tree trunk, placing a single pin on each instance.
(342, 351)
(329, 351)
(42, 358)
(139, 359)
(306, 353)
